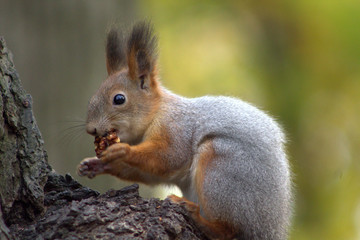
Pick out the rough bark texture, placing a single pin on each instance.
(75, 212)
(23, 165)
(37, 203)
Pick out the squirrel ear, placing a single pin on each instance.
(142, 54)
(115, 55)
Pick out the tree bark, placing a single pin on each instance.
(23, 166)
(37, 203)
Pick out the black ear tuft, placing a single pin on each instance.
(142, 50)
(115, 53)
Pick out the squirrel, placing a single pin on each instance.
(225, 155)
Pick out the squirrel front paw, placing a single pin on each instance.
(117, 151)
(90, 167)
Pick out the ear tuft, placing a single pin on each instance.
(142, 51)
(115, 54)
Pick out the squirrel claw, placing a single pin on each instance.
(90, 167)
(189, 206)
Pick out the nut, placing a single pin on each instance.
(101, 143)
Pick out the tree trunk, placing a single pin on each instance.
(37, 203)
(23, 166)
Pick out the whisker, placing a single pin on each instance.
(79, 126)
(71, 121)
(71, 134)
(68, 137)
(104, 120)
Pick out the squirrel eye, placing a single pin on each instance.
(119, 99)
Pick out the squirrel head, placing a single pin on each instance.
(129, 97)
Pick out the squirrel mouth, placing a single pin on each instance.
(111, 132)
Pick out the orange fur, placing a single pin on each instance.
(92, 167)
(154, 78)
(149, 155)
(108, 68)
(123, 171)
(211, 227)
(131, 60)
(205, 159)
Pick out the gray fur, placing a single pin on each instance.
(249, 183)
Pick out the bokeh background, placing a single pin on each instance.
(298, 60)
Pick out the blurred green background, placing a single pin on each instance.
(298, 60)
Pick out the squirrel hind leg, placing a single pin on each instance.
(212, 229)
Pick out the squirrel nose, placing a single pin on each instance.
(91, 130)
